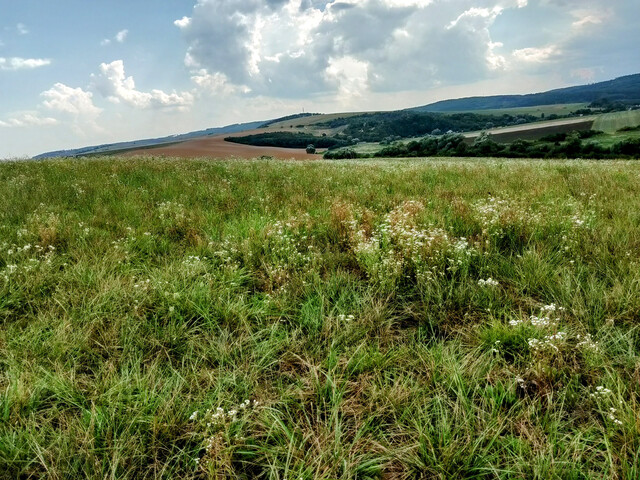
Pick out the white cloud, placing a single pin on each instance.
(183, 22)
(75, 107)
(351, 76)
(28, 119)
(289, 48)
(17, 63)
(113, 84)
(470, 17)
(495, 60)
(22, 29)
(589, 17)
(215, 84)
(536, 55)
(66, 99)
(119, 37)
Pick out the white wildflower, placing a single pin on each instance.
(489, 282)
(601, 392)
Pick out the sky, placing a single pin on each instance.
(75, 73)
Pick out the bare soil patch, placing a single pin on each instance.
(215, 146)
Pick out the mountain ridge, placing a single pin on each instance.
(625, 89)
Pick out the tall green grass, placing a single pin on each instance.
(361, 320)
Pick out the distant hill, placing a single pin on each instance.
(150, 142)
(623, 89)
(288, 117)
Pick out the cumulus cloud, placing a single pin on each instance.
(215, 84)
(22, 29)
(75, 107)
(28, 119)
(113, 84)
(71, 100)
(350, 74)
(17, 63)
(294, 48)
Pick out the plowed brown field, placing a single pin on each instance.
(216, 147)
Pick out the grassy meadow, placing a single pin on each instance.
(383, 319)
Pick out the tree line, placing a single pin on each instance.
(456, 145)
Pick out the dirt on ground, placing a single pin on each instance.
(216, 147)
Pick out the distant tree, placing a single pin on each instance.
(573, 145)
(311, 148)
(340, 153)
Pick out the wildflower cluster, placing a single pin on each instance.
(123, 245)
(221, 430)
(489, 282)
(193, 263)
(399, 248)
(548, 342)
(142, 284)
(544, 319)
(290, 244)
(612, 416)
(171, 211)
(603, 395)
(496, 214)
(548, 320)
(601, 392)
(500, 216)
(176, 222)
(24, 258)
(346, 318)
(288, 247)
(585, 342)
(226, 253)
(545, 338)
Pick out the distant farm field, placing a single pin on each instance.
(537, 130)
(611, 122)
(544, 110)
(216, 147)
(387, 319)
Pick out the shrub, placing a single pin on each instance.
(340, 153)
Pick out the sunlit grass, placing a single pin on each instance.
(369, 319)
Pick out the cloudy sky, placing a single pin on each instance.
(76, 73)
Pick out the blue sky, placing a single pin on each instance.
(76, 73)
